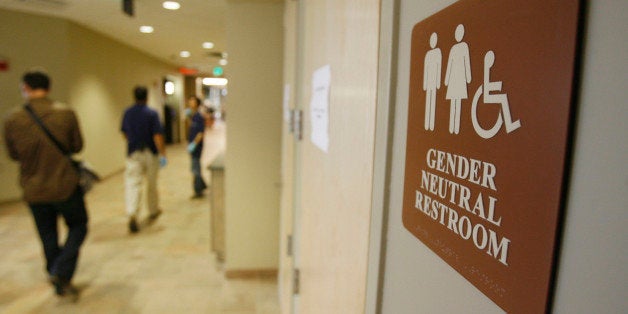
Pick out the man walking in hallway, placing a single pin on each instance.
(48, 179)
(195, 144)
(146, 152)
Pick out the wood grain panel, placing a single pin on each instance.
(336, 186)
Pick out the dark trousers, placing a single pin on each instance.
(198, 183)
(61, 260)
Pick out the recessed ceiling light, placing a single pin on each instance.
(184, 54)
(146, 29)
(208, 45)
(171, 5)
(215, 81)
(223, 62)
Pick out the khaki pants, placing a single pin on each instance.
(141, 166)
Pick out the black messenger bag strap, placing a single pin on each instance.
(32, 113)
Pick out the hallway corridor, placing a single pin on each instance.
(167, 267)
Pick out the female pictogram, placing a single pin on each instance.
(431, 81)
(457, 77)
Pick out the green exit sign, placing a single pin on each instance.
(218, 71)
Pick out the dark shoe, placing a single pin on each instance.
(57, 284)
(133, 227)
(154, 216)
(71, 292)
(64, 288)
(197, 196)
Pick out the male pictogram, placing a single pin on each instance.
(431, 81)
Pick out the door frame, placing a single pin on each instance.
(297, 147)
(384, 129)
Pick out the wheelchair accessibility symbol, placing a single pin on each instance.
(458, 75)
(489, 98)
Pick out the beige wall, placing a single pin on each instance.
(593, 272)
(22, 37)
(92, 73)
(103, 75)
(255, 46)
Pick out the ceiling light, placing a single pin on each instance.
(185, 54)
(208, 45)
(171, 5)
(215, 81)
(223, 62)
(146, 29)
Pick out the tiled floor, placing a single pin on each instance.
(166, 268)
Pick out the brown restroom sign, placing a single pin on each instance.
(490, 101)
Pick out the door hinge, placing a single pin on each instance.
(297, 124)
(296, 281)
(291, 128)
(289, 245)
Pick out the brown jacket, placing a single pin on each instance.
(46, 175)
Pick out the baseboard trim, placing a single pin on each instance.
(11, 201)
(251, 273)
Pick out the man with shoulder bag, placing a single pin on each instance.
(48, 178)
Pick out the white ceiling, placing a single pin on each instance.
(197, 21)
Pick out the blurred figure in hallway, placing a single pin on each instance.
(210, 117)
(146, 152)
(197, 122)
(48, 179)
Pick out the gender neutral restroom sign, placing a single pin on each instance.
(488, 122)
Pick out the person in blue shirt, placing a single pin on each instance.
(195, 144)
(146, 152)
